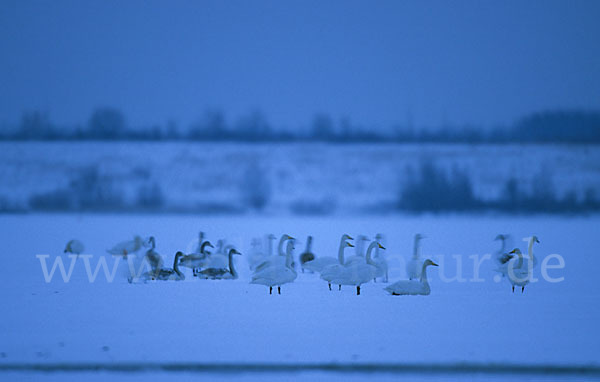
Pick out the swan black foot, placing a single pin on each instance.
(270, 290)
(358, 290)
(522, 289)
(329, 286)
(339, 287)
(513, 289)
(278, 290)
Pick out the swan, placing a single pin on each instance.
(501, 256)
(125, 248)
(513, 269)
(360, 250)
(259, 256)
(356, 273)
(380, 261)
(332, 271)
(228, 273)
(200, 241)
(277, 274)
(412, 287)
(521, 273)
(307, 255)
(277, 260)
(218, 260)
(75, 247)
(414, 266)
(318, 264)
(154, 258)
(196, 260)
(167, 273)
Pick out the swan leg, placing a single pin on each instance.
(329, 286)
(278, 290)
(513, 289)
(523, 289)
(270, 290)
(339, 287)
(358, 290)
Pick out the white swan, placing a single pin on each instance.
(75, 247)
(356, 273)
(380, 261)
(521, 273)
(412, 287)
(228, 273)
(167, 273)
(276, 274)
(307, 255)
(332, 271)
(513, 270)
(415, 265)
(317, 265)
(277, 260)
(196, 260)
(129, 247)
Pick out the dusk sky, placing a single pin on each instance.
(377, 63)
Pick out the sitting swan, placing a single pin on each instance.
(317, 265)
(196, 260)
(307, 255)
(129, 247)
(356, 273)
(222, 273)
(331, 271)
(412, 287)
(414, 266)
(75, 247)
(167, 273)
(277, 274)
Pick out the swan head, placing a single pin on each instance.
(362, 238)
(206, 244)
(380, 246)
(346, 244)
(285, 236)
(419, 237)
(234, 251)
(516, 251)
(178, 255)
(501, 237)
(271, 237)
(535, 239)
(347, 237)
(429, 262)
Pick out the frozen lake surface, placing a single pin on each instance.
(215, 322)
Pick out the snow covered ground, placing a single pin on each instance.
(207, 322)
(329, 177)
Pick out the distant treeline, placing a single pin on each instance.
(560, 126)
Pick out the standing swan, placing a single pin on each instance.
(412, 287)
(522, 272)
(153, 258)
(414, 266)
(332, 271)
(277, 260)
(196, 260)
(129, 247)
(277, 274)
(357, 273)
(317, 265)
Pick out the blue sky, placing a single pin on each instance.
(378, 63)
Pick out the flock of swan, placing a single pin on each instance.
(277, 269)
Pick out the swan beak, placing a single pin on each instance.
(350, 245)
(434, 264)
(536, 240)
(381, 246)
(513, 251)
(350, 238)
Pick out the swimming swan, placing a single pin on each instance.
(196, 260)
(412, 287)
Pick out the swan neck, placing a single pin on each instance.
(280, 246)
(530, 249)
(231, 266)
(341, 252)
(176, 266)
(424, 274)
(288, 255)
(308, 244)
(520, 261)
(369, 251)
(416, 248)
